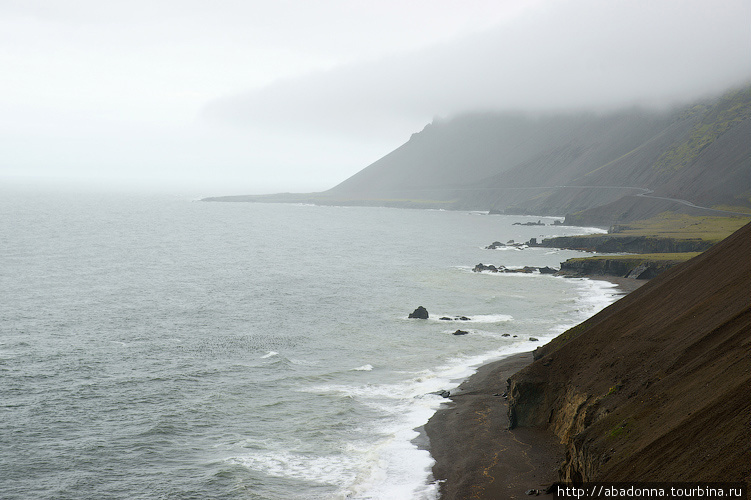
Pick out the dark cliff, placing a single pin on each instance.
(646, 267)
(609, 243)
(657, 386)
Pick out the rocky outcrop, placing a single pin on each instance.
(511, 243)
(455, 318)
(419, 313)
(621, 267)
(614, 243)
(654, 387)
(648, 270)
(479, 268)
(538, 223)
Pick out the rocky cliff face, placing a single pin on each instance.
(655, 387)
(614, 243)
(625, 267)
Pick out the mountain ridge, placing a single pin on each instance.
(563, 163)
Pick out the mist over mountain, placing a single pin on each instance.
(515, 162)
(565, 163)
(496, 160)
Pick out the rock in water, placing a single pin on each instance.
(419, 313)
(460, 332)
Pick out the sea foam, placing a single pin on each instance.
(363, 368)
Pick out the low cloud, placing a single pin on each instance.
(559, 55)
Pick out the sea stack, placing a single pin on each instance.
(419, 313)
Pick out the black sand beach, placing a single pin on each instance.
(476, 456)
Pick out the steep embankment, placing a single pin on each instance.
(641, 267)
(656, 386)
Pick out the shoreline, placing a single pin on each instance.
(624, 285)
(475, 454)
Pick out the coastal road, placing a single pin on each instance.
(647, 193)
(644, 193)
(689, 204)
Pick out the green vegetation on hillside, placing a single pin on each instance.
(667, 230)
(734, 208)
(682, 227)
(639, 258)
(731, 109)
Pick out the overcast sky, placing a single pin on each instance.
(244, 96)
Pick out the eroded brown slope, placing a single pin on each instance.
(657, 386)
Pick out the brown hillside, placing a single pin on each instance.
(657, 387)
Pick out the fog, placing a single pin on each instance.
(249, 97)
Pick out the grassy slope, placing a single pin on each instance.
(683, 227)
(643, 257)
(678, 227)
(731, 109)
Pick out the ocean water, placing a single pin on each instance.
(161, 347)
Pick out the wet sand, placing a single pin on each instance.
(476, 455)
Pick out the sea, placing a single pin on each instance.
(161, 347)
